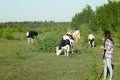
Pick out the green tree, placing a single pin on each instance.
(105, 17)
(84, 17)
(108, 16)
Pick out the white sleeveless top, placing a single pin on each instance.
(109, 44)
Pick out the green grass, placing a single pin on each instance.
(18, 62)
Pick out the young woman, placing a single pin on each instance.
(108, 51)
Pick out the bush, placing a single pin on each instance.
(7, 33)
(46, 45)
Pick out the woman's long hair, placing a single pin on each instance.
(108, 36)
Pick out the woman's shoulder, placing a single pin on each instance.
(109, 41)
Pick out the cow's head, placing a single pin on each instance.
(58, 52)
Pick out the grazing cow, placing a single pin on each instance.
(75, 34)
(65, 45)
(91, 40)
(31, 36)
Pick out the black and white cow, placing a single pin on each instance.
(65, 45)
(31, 36)
(91, 39)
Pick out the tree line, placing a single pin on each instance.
(104, 17)
(8, 28)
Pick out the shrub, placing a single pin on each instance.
(7, 33)
(46, 45)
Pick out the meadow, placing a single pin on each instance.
(38, 61)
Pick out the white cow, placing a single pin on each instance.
(65, 45)
(91, 39)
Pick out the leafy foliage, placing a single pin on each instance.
(7, 33)
(105, 17)
(85, 17)
(46, 45)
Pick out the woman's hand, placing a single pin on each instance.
(102, 47)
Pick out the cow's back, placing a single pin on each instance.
(33, 33)
(91, 36)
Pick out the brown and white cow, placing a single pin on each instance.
(75, 34)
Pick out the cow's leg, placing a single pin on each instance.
(76, 40)
(93, 44)
(89, 43)
(32, 40)
(65, 51)
(72, 50)
(57, 50)
(28, 40)
(68, 49)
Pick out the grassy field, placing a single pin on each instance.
(19, 62)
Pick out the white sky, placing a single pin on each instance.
(41, 10)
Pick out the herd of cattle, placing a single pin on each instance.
(67, 42)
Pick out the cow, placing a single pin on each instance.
(75, 34)
(31, 36)
(91, 39)
(65, 45)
